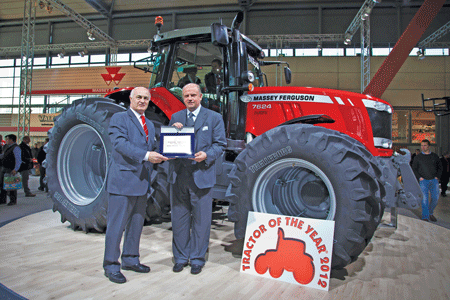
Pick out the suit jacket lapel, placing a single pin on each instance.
(136, 122)
(201, 118)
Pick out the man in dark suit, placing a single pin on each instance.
(27, 165)
(42, 171)
(192, 179)
(133, 140)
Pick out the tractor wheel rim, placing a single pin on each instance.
(294, 187)
(82, 164)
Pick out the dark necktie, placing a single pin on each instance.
(144, 124)
(190, 120)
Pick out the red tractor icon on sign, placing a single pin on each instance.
(290, 256)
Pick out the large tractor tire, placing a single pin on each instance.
(312, 172)
(77, 163)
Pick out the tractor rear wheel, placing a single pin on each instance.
(312, 172)
(77, 164)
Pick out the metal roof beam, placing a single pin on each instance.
(101, 7)
(296, 38)
(366, 8)
(77, 46)
(82, 21)
(430, 40)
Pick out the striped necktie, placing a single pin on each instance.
(190, 120)
(144, 124)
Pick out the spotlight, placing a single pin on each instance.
(319, 45)
(348, 39)
(366, 13)
(90, 34)
(421, 54)
(62, 53)
(84, 52)
(41, 4)
(49, 8)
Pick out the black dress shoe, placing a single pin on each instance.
(115, 277)
(140, 268)
(178, 267)
(433, 218)
(11, 203)
(196, 269)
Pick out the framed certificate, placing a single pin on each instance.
(176, 142)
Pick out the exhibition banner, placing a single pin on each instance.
(290, 249)
(86, 80)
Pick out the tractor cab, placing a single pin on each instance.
(224, 62)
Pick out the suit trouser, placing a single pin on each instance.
(191, 210)
(125, 213)
(25, 177)
(3, 193)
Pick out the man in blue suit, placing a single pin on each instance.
(133, 140)
(192, 179)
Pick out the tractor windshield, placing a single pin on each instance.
(201, 63)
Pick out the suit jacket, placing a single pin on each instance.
(209, 138)
(128, 175)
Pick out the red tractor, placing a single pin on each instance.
(297, 151)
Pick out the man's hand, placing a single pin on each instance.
(178, 125)
(156, 158)
(199, 156)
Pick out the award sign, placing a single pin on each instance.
(176, 142)
(290, 249)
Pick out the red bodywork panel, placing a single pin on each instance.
(272, 106)
(162, 98)
(276, 105)
(166, 101)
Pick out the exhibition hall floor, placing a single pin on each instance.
(41, 258)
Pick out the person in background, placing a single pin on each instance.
(445, 161)
(40, 158)
(11, 159)
(414, 155)
(27, 165)
(190, 77)
(428, 169)
(212, 79)
(35, 150)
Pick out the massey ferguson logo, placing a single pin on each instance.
(290, 249)
(113, 75)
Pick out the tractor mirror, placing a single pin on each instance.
(287, 75)
(219, 34)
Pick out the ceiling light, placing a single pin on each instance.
(83, 52)
(62, 53)
(421, 54)
(365, 13)
(41, 4)
(90, 34)
(319, 45)
(348, 39)
(49, 8)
